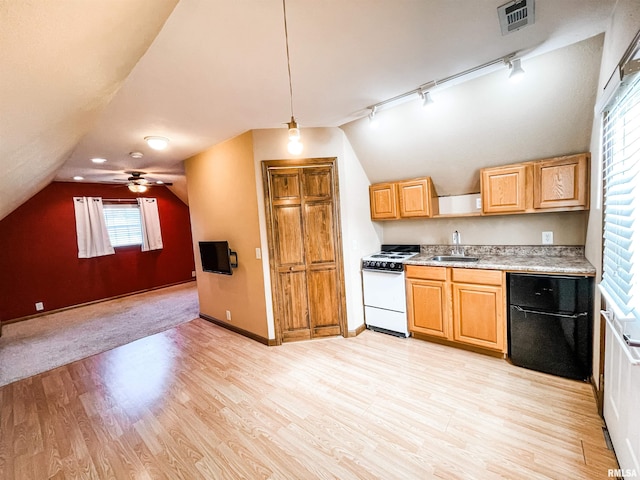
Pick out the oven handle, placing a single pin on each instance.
(391, 272)
(538, 312)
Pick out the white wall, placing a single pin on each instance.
(567, 228)
(359, 235)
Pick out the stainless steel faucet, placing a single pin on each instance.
(457, 249)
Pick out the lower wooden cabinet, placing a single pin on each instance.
(461, 305)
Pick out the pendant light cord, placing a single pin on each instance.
(286, 38)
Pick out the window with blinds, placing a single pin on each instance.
(621, 178)
(123, 224)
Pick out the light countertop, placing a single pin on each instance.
(543, 259)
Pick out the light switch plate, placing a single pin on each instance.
(547, 238)
(39, 306)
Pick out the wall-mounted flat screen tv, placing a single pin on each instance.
(215, 257)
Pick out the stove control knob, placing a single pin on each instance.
(392, 265)
(377, 264)
(384, 264)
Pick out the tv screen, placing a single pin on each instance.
(215, 257)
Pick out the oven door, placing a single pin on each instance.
(383, 289)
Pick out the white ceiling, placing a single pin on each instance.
(218, 68)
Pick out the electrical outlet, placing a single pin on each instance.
(547, 238)
(193, 274)
(228, 315)
(39, 306)
(478, 203)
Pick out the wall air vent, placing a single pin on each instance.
(515, 15)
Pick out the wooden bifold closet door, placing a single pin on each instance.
(304, 245)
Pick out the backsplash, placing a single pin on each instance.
(528, 250)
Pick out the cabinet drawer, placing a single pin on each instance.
(484, 277)
(426, 273)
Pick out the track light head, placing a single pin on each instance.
(427, 99)
(373, 121)
(516, 70)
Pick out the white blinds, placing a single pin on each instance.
(123, 224)
(621, 176)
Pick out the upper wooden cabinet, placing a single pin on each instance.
(561, 182)
(404, 199)
(383, 198)
(504, 189)
(554, 184)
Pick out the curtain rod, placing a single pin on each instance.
(115, 200)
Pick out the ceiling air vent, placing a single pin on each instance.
(515, 15)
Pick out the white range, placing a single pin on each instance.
(385, 306)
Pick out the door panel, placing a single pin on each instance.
(323, 303)
(285, 185)
(288, 225)
(293, 308)
(319, 225)
(316, 184)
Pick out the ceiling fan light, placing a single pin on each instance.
(137, 188)
(157, 143)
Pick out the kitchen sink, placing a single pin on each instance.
(454, 258)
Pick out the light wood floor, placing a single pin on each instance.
(199, 401)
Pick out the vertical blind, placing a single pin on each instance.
(621, 176)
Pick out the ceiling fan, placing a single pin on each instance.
(139, 184)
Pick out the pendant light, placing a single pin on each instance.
(295, 145)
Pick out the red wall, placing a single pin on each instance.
(39, 252)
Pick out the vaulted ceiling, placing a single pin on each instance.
(85, 79)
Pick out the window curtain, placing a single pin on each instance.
(150, 220)
(91, 229)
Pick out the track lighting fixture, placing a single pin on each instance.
(424, 90)
(516, 70)
(295, 145)
(427, 100)
(373, 121)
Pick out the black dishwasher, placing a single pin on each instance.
(550, 323)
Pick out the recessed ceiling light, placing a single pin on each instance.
(157, 143)
(98, 160)
(78, 178)
(136, 154)
(159, 182)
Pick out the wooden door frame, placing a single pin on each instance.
(302, 163)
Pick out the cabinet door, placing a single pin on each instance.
(478, 315)
(561, 183)
(383, 201)
(417, 198)
(504, 189)
(427, 307)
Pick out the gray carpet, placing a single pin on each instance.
(43, 343)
